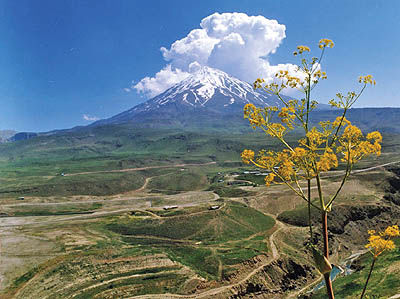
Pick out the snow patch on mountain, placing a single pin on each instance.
(207, 89)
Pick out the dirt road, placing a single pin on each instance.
(140, 168)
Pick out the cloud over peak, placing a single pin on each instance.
(161, 81)
(90, 118)
(235, 43)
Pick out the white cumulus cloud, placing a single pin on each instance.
(235, 43)
(161, 81)
(90, 118)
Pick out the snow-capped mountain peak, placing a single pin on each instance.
(207, 89)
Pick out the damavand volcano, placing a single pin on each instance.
(206, 95)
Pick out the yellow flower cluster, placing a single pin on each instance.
(258, 83)
(380, 242)
(376, 136)
(314, 156)
(269, 179)
(279, 164)
(266, 160)
(289, 81)
(312, 163)
(260, 117)
(353, 146)
(344, 102)
(323, 43)
(351, 133)
(287, 116)
(299, 153)
(327, 161)
(392, 231)
(276, 130)
(254, 115)
(317, 152)
(319, 75)
(315, 138)
(367, 80)
(247, 156)
(333, 103)
(286, 166)
(340, 121)
(301, 49)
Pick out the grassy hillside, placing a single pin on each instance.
(33, 167)
(384, 281)
(191, 237)
(180, 181)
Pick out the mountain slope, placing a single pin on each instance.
(207, 93)
(6, 134)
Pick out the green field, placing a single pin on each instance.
(55, 209)
(179, 234)
(180, 181)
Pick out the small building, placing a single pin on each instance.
(170, 207)
(213, 207)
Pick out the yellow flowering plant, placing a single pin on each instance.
(321, 148)
(378, 243)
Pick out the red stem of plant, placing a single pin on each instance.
(369, 275)
(327, 276)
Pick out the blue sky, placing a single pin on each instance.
(64, 61)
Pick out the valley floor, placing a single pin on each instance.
(163, 241)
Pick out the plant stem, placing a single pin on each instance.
(308, 143)
(321, 198)
(327, 276)
(369, 275)
(325, 233)
(324, 220)
(309, 208)
(328, 284)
